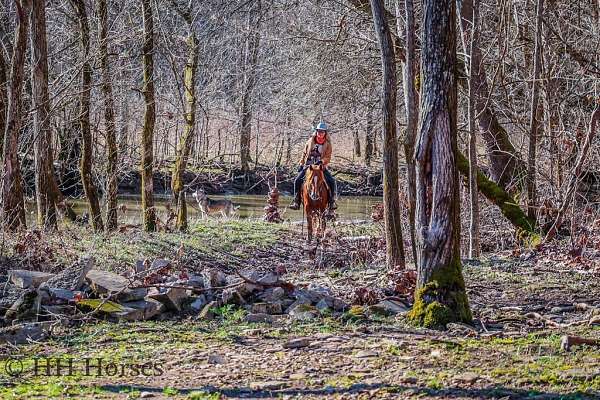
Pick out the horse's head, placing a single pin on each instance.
(316, 181)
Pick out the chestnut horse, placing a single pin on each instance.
(315, 196)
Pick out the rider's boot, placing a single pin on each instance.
(332, 205)
(295, 205)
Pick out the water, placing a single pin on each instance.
(250, 206)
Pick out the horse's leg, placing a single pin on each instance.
(309, 226)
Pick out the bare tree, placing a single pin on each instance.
(440, 296)
(391, 200)
(44, 174)
(109, 118)
(149, 213)
(85, 166)
(13, 205)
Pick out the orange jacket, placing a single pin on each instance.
(325, 151)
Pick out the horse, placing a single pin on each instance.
(315, 197)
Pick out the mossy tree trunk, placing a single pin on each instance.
(13, 205)
(149, 213)
(109, 119)
(440, 296)
(391, 201)
(44, 195)
(186, 142)
(85, 166)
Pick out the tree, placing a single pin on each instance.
(85, 166)
(149, 213)
(440, 296)
(186, 142)
(391, 200)
(369, 134)
(249, 81)
(44, 174)
(109, 119)
(13, 205)
(3, 97)
(534, 123)
(411, 103)
(470, 40)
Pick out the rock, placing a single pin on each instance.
(299, 301)
(389, 307)
(232, 296)
(25, 279)
(23, 333)
(24, 307)
(304, 312)
(104, 282)
(268, 385)
(278, 293)
(72, 277)
(140, 310)
(140, 266)
(195, 281)
(146, 395)
(366, 354)
(297, 343)
(198, 303)
(321, 290)
(172, 298)
(269, 279)
(259, 317)
(214, 278)
(159, 264)
(216, 359)
(266, 308)
(207, 312)
(61, 294)
(467, 377)
(436, 353)
(322, 306)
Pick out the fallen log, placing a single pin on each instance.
(566, 342)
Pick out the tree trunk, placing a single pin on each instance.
(109, 120)
(44, 195)
(149, 213)
(187, 140)
(250, 63)
(85, 166)
(391, 201)
(357, 151)
(411, 103)
(3, 100)
(440, 296)
(13, 205)
(470, 40)
(506, 166)
(534, 123)
(369, 137)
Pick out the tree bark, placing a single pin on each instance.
(369, 137)
(391, 201)
(44, 174)
(440, 296)
(250, 63)
(534, 124)
(185, 145)
(411, 103)
(85, 166)
(109, 119)
(13, 205)
(3, 99)
(149, 213)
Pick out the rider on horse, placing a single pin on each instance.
(317, 150)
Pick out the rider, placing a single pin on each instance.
(319, 144)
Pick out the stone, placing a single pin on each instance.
(72, 277)
(61, 294)
(139, 267)
(214, 278)
(113, 285)
(366, 354)
(216, 359)
(232, 296)
(259, 317)
(207, 312)
(278, 293)
(299, 301)
(304, 312)
(266, 308)
(269, 279)
(297, 343)
(322, 306)
(172, 298)
(195, 281)
(198, 303)
(268, 385)
(146, 395)
(160, 263)
(25, 279)
(467, 377)
(23, 333)
(140, 310)
(388, 307)
(24, 307)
